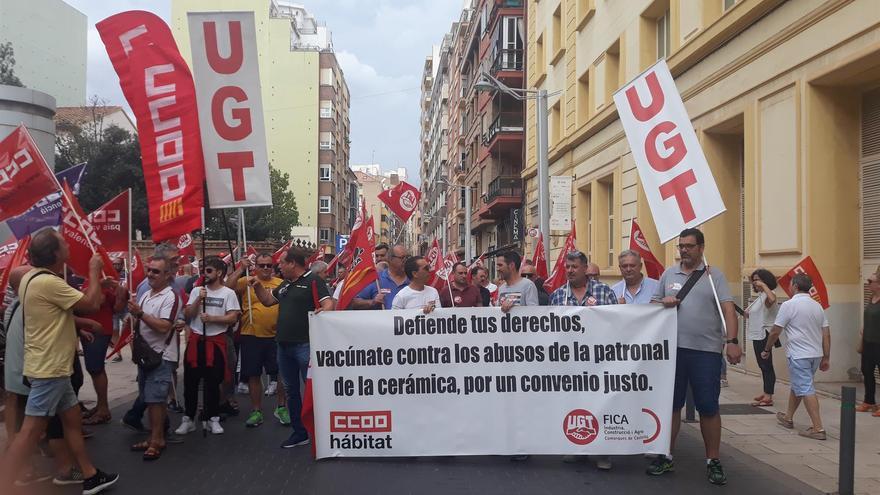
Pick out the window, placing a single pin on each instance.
(663, 36)
(461, 235)
(585, 10)
(324, 204)
(611, 224)
(540, 65)
(556, 123)
(612, 70)
(326, 113)
(324, 236)
(324, 172)
(461, 198)
(556, 47)
(728, 4)
(583, 97)
(325, 145)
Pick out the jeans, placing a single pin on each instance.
(870, 361)
(293, 363)
(766, 365)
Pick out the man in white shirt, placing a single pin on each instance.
(417, 294)
(211, 309)
(808, 347)
(635, 288)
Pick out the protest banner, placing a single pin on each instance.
(111, 222)
(637, 243)
(47, 211)
(225, 65)
(25, 177)
(158, 86)
(818, 292)
(678, 183)
(476, 381)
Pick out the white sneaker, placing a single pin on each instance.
(214, 425)
(186, 426)
(272, 388)
(242, 389)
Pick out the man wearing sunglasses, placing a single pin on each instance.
(210, 310)
(258, 351)
(391, 282)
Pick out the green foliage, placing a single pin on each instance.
(7, 64)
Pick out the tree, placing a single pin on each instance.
(7, 64)
(263, 223)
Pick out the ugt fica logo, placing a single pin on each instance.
(408, 200)
(580, 426)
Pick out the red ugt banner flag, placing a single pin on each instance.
(159, 88)
(185, 246)
(638, 244)
(24, 175)
(136, 271)
(111, 223)
(402, 199)
(363, 269)
(538, 258)
(78, 240)
(819, 293)
(558, 277)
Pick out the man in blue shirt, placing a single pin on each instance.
(635, 288)
(391, 281)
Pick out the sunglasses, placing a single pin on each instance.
(266, 265)
(154, 271)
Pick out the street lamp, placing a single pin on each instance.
(488, 83)
(467, 218)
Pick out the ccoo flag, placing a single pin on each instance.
(25, 178)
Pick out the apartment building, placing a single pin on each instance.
(784, 99)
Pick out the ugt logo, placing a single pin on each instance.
(580, 427)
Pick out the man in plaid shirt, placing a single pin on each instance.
(581, 290)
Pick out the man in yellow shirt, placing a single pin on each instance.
(48, 304)
(258, 351)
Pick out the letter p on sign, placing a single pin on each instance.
(227, 76)
(672, 168)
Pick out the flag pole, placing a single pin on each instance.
(246, 260)
(715, 294)
(130, 242)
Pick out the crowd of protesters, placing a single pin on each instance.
(228, 329)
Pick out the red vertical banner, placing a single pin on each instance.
(159, 88)
(819, 292)
(637, 243)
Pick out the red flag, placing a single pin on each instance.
(185, 246)
(371, 232)
(111, 223)
(78, 237)
(7, 251)
(159, 88)
(819, 293)
(538, 258)
(558, 277)
(308, 410)
(434, 257)
(362, 271)
(402, 199)
(441, 278)
(637, 243)
(318, 256)
(24, 176)
(276, 257)
(125, 336)
(17, 259)
(136, 271)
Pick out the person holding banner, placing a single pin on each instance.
(300, 293)
(417, 295)
(391, 282)
(460, 293)
(808, 347)
(869, 346)
(702, 334)
(48, 304)
(635, 288)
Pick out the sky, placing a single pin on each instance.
(381, 46)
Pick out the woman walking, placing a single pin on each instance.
(759, 321)
(869, 346)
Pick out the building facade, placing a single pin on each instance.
(50, 45)
(305, 105)
(784, 99)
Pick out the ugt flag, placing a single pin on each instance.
(47, 211)
(402, 199)
(538, 258)
(638, 244)
(24, 175)
(819, 293)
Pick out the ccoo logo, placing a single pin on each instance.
(580, 426)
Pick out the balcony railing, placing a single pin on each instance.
(508, 60)
(503, 186)
(504, 122)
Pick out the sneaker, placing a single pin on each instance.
(715, 472)
(99, 482)
(603, 462)
(785, 423)
(282, 415)
(214, 425)
(133, 424)
(660, 465)
(72, 477)
(32, 477)
(812, 433)
(242, 389)
(295, 440)
(272, 388)
(255, 419)
(186, 426)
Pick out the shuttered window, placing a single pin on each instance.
(870, 170)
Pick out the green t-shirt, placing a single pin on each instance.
(295, 299)
(872, 323)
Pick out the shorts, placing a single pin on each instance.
(153, 385)
(50, 396)
(257, 354)
(801, 373)
(702, 371)
(95, 353)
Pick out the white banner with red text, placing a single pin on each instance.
(678, 183)
(476, 381)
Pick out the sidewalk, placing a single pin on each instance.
(812, 462)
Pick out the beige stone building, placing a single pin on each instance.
(784, 98)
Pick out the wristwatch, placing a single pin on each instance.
(732, 341)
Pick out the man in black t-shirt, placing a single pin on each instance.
(301, 292)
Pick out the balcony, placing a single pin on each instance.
(505, 122)
(503, 193)
(509, 60)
